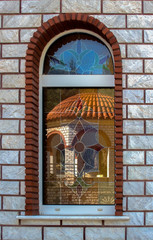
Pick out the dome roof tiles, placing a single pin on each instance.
(85, 105)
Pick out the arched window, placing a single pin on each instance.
(73, 64)
(77, 85)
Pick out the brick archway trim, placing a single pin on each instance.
(56, 132)
(41, 37)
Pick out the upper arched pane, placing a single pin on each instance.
(78, 53)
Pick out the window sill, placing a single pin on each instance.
(66, 217)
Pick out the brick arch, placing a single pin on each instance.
(37, 43)
(56, 132)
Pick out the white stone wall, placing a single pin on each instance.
(132, 23)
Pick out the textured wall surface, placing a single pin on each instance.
(132, 24)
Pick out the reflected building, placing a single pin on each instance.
(79, 153)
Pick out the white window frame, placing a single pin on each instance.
(69, 81)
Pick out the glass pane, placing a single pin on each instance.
(78, 146)
(78, 53)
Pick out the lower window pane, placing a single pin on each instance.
(78, 146)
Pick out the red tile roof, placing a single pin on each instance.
(85, 105)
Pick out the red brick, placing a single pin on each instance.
(119, 159)
(118, 207)
(118, 213)
(32, 201)
(118, 201)
(32, 195)
(119, 183)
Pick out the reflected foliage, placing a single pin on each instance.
(78, 53)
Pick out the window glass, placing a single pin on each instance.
(78, 53)
(78, 146)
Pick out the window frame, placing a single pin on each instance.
(70, 81)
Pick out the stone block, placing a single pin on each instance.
(140, 203)
(81, 222)
(9, 96)
(149, 157)
(136, 219)
(124, 111)
(148, 7)
(140, 142)
(26, 34)
(81, 6)
(132, 66)
(22, 126)
(140, 233)
(149, 188)
(133, 157)
(10, 65)
(105, 233)
(124, 80)
(9, 188)
(140, 173)
(22, 233)
(140, 81)
(40, 222)
(9, 218)
(124, 142)
(148, 36)
(112, 21)
(22, 157)
(124, 204)
(46, 17)
(22, 187)
(123, 50)
(124, 173)
(133, 188)
(133, 126)
(21, 21)
(121, 6)
(9, 126)
(149, 218)
(42, 6)
(22, 96)
(128, 36)
(7, 36)
(66, 233)
(13, 81)
(133, 96)
(149, 96)
(140, 111)
(13, 142)
(9, 6)
(13, 203)
(140, 51)
(14, 50)
(140, 21)
(22, 66)
(13, 172)
(13, 111)
(149, 66)
(9, 157)
(149, 126)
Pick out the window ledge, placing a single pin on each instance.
(66, 217)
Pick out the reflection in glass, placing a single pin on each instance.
(78, 53)
(78, 146)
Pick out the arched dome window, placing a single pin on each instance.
(77, 85)
(73, 119)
